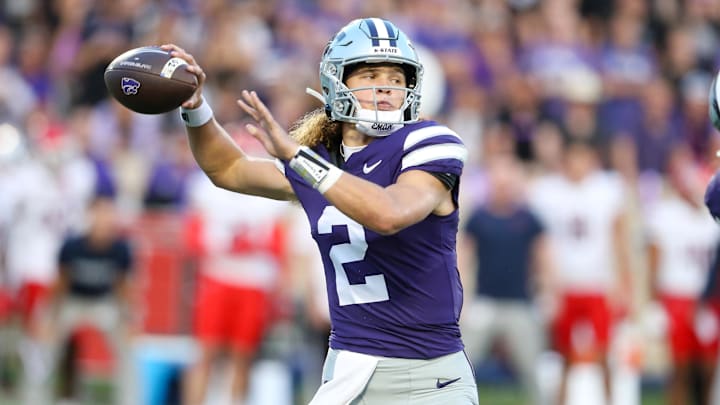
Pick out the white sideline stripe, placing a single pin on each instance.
(422, 134)
(435, 152)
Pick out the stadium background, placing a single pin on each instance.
(507, 70)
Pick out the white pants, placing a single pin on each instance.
(381, 380)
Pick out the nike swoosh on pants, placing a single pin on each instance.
(446, 383)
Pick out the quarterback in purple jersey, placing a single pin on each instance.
(380, 190)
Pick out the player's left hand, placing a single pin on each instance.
(273, 137)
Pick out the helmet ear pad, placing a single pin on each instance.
(410, 76)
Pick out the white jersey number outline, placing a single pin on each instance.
(374, 289)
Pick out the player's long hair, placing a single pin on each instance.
(315, 128)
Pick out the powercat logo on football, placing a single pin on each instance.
(129, 86)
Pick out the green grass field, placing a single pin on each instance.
(97, 393)
(508, 395)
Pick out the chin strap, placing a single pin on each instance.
(378, 123)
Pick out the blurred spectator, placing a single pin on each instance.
(235, 42)
(709, 304)
(580, 91)
(44, 195)
(680, 53)
(627, 66)
(504, 255)
(95, 288)
(12, 153)
(521, 112)
(17, 98)
(64, 46)
(660, 130)
(695, 120)
(34, 231)
(547, 147)
(582, 210)
(32, 61)
(125, 144)
(682, 238)
(59, 148)
(497, 140)
(560, 51)
(107, 32)
(639, 193)
(239, 243)
(468, 117)
(167, 182)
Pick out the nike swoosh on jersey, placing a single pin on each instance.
(367, 169)
(446, 383)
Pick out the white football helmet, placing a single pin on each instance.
(368, 40)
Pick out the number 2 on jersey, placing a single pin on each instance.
(374, 289)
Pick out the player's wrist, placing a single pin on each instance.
(198, 116)
(315, 170)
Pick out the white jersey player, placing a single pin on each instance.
(240, 243)
(580, 217)
(682, 241)
(582, 209)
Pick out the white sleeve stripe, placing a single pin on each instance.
(434, 152)
(422, 134)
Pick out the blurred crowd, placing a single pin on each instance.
(518, 79)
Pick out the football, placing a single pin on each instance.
(148, 80)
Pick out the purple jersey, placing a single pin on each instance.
(398, 295)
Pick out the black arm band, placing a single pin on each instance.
(448, 179)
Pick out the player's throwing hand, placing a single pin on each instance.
(196, 99)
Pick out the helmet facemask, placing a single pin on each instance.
(369, 41)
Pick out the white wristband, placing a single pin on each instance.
(330, 179)
(197, 117)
